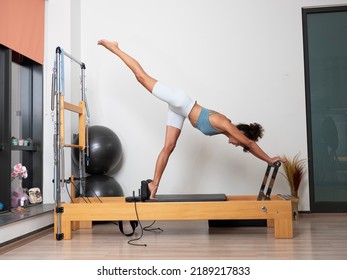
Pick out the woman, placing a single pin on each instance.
(181, 106)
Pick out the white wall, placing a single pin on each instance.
(242, 58)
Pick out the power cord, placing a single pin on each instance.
(131, 241)
(149, 228)
(146, 228)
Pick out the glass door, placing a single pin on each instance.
(325, 49)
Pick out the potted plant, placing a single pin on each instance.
(294, 171)
(14, 141)
(27, 142)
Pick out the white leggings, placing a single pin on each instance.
(180, 104)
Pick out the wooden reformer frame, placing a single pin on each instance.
(275, 209)
(81, 213)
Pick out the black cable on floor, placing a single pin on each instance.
(131, 242)
(149, 228)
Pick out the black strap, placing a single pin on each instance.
(133, 225)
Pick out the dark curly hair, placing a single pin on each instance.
(253, 131)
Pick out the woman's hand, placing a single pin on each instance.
(275, 159)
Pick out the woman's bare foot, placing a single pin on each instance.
(153, 190)
(110, 45)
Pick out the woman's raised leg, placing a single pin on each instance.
(172, 133)
(147, 81)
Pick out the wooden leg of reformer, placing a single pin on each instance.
(283, 227)
(270, 223)
(75, 225)
(85, 224)
(65, 227)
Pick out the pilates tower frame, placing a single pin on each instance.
(58, 106)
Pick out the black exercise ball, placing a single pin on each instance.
(105, 150)
(99, 186)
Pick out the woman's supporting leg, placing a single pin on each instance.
(172, 134)
(147, 81)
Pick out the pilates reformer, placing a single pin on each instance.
(276, 210)
(81, 213)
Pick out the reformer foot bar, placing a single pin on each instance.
(273, 208)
